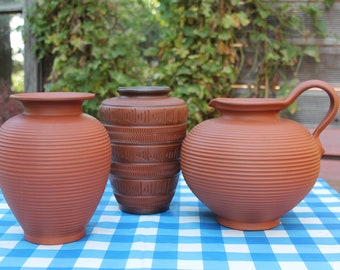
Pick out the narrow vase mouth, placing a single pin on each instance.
(52, 96)
(143, 90)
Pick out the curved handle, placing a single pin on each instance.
(333, 97)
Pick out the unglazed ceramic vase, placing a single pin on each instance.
(249, 166)
(54, 165)
(146, 128)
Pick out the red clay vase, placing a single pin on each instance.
(249, 166)
(146, 128)
(54, 165)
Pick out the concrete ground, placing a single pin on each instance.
(334, 184)
(330, 162)
(330, 171)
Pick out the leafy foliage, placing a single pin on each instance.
(199, 48)
(96, 45)
(211, 45)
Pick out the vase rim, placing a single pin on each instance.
(143, 90)
(52, 96)
(249, 104)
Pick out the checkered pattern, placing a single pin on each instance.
(185, 237)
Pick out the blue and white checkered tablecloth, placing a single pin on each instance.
(185, 237)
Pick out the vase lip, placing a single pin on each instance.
(53, 96)
(249, 104)
(144, 90)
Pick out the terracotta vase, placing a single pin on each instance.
(54, 166)
(146, 128)
(249, 166)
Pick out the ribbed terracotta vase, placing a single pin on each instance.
(146, 128)
(54, 165)
(249, 166)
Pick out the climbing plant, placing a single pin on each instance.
(212, 44)
(200, 48)
(96, 46)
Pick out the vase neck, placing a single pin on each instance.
(252, 109)
(52, 108)
(52, 103)
(251, 116)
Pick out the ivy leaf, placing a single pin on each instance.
(264, 13)
(313, 52)
(328, 3)
(243, 18)
(78, 43)
(235, 20)
(227, 22)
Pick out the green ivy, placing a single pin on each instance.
(199, 48)
(96, 45)
(211, 45)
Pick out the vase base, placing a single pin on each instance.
(248, 226)
(54, 240)
(143, 211)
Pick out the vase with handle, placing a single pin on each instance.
(250, 166)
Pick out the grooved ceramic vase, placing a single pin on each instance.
(146, 128)
(54, 166)
(249, 166)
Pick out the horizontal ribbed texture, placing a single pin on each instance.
(145, 170)
(144, 187)
(144, 115)
(146, 128)
(146, 135)
(249, 173)
(146, 204)
(146, 153)
(53, 173)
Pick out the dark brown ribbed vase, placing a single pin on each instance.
(54, 166)
(146, 128)
(249, 166)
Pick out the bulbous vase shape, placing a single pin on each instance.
(146, 128)
(250, 166)
(54, 166)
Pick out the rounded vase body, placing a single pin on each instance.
(54, 166)
(146, 128)
(249, 166)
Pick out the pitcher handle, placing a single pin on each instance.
(333, 107)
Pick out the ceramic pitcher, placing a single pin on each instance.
(250, 166)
